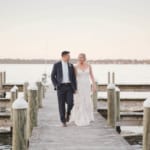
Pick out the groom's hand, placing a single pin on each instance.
(55, 88)
(75, 92)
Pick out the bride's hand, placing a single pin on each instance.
(94, 89)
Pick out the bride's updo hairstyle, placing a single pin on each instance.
(82, 57)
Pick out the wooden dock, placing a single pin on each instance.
(50, 135)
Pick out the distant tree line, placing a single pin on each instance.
(51, 61)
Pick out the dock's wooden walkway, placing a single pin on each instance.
(50, 135)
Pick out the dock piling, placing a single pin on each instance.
(13, 98)
(17, 90)
(118, 128)
(109, 80)
(111, 115)
(43, 91)
(117, 104)
(146, 123)
(3, 77)
(39, 85)
(1, 80)
(19, 141)
(32, 109)
(95, 97)
(25, 90)
(113, 77)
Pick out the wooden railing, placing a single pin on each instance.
(105, 105)
(8, 86)
(127, 87)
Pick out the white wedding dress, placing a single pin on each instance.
(82, 112)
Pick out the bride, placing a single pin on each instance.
(82, 112)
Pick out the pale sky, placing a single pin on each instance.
(100, 28)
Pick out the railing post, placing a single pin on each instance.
(109, 80)
(19, 124)
(1, 82)
(32, 110)
(43, 91)
(3, 77)
(118, 128)
(44, 78)
(111, 114)
(2, 94)
(39, 85)
(25, 90)
(117, 104)
(113, 77)
(95, 98)
(13, 98)
(146, 122)
(16, 88)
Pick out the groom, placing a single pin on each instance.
(64, 81)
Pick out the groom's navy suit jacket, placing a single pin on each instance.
(57, 75)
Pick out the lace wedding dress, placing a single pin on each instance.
(82, 112)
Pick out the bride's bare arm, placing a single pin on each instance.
(75, 71)
(92, 79)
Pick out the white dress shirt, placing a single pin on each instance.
(65, 72)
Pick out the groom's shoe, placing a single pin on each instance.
(67, 118)
(64, 124)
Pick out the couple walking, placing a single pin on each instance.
(73, 85)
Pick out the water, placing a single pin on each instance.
(124, 73)
(31, 73)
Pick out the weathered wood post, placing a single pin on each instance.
(39, 85)
(12, 98)
(113, 77)
(95, 98)
(2, 94)
(32, 109)
(43, 91)
(118, 129)
(146, 123)
(111, 114)
(25, 90)
(16, 88)
(3, 77)
(43, 79)
(1, 82)
(19, 124)
(117, 104)
(109, 80)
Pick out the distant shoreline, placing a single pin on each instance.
(51, 61)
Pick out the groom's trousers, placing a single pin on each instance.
(65, 96)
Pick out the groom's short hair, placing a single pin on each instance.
(63, 53)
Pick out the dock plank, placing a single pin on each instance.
(7, 86)
(49, 134)
(5, 102)
(5, 119)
